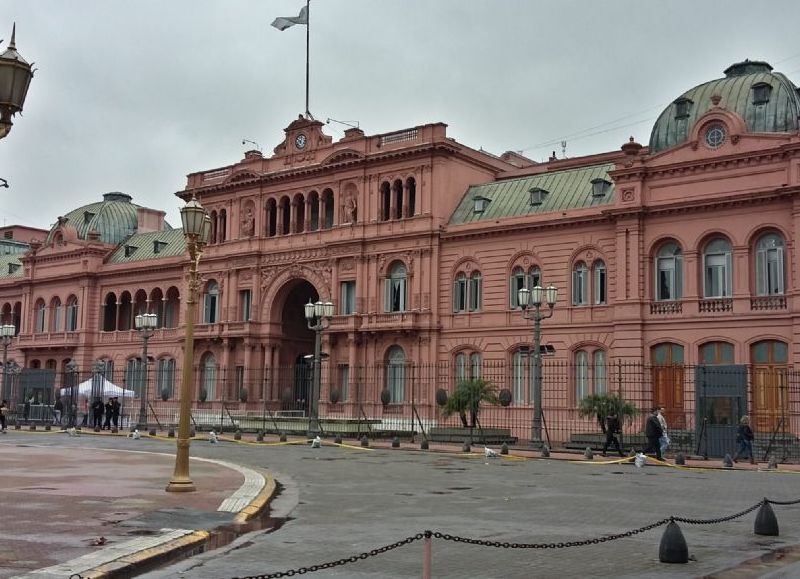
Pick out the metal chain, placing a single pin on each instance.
(797, 502)
(717, 519)
(339, 562)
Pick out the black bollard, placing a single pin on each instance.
(588, 454)
(192, 433)
(47, 427)
(727, 462)
(545, 451)
(680, 458)
(171, 433)
(282, 437)
(152, 432)
(365, 441)
(504, 448)
(337, 439)
(237, 435)
(673, 547)
(396, 442)
(424, 444)
(114, 431)
(260, 436)
(33, 427)
(466, 447)
(773, 463)
(766, 522)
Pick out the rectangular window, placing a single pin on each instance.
(40, 317)
(716, 278)
(166, 378)
(475, 366)
(522, 375)
(239, 381)
(460, 294)
(475, 293)
(579, 287)
(245, 304)
(57, 317)
(600, 285)
(347, 298)
(72, 317)
(344, 381)
(210, 312)
(666, 280)
(395, 294)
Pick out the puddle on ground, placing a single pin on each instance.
(762, 565)
(459, 488)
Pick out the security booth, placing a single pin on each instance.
(720, 402)
(35, 392)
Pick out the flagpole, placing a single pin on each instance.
(308, 35)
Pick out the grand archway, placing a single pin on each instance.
(293, 371)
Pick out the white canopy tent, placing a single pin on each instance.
(105, 389)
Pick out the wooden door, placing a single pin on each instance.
(668, 378)
(769, 402)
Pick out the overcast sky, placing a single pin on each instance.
(132, 95)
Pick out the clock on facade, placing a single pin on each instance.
(300, 141)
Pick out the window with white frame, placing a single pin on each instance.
(591, 373)
(474, 292)
(344, 382)
(460, 293)
(521, 376)
(211, 303)
(669, 272)
(41, 316)
(396, 374)
(209, 381)
(467, 292)
(600, 377)
(72, 314)
(347, 298)
(600, 282)
(246, 304)
(165, 377)
(395, 289)
(580, 289)
(770, 273)
(582, 389)
(717, 269)
(475, 364)
(55, 315)
(522, 279)
(134, 375)
(467, 366)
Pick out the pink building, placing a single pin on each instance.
(671, 260)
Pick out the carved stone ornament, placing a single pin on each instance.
(347, 264)
(627, 195)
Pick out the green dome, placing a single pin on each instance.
(772, 107)
(114, 218)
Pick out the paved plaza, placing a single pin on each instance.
(337, 501)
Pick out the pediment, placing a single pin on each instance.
(342, 155)
(243, 175)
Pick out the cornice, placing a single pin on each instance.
(559, 223)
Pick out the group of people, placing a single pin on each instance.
(111, 409)
(658, 441)
(3, 413)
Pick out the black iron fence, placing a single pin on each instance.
(490, 402)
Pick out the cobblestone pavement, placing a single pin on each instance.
(337, 502)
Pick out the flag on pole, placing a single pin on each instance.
(282, 23)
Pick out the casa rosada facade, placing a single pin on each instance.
(673, 255)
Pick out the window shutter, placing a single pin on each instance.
(387, 295)
(781, 273)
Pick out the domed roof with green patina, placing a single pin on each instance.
(114, 218)
(767, 101)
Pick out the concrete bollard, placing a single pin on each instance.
(504, 448)
(727, 462)
(673, 548)
(364, 441)
(114, 431)
(424, 444)
(47, 427)
(545, 451)
(773, 463)
(282, 437)
(17, 427)
(588, 454)
(97, 429)
(33, 427)
(237, 435)
(260, 436)
(466, 447)
(396, 442)
(337, 439)
(152, 432)
(766, 522)
(192, 433)
(171, 433)
(680, 458)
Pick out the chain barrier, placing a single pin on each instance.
(509, 545)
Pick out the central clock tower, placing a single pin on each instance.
(303, 137)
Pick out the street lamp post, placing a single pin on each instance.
(197, 231)
(15, 77)
(146, 325)
(72, 372)
(531, 302)
(318, 317)
(7, 332)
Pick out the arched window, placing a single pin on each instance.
(328, 202)
(669, 272)
(214, 224)
(55, 315)
(460, 293)
(222, 230)
(386, 200)
(461, 367)
(411, 190)
(600, 372)
(165, 380)
(600, 282)
(395, 289)
(272, 218)
(591, 373)
(717, 269)
(770, 273)
(299, 204)
(396, 374)
(157, 306)
(211, 303)
(41, 316)
(124, 312)
(285, 215)
(209, 377)
(397, 189)
(313, 203)
(520, 279)
(713, 353)
(72, 314)
(110, 313)
(475, 365)
(474, 291)
(580, 283)
(467, 366)
(171, 308)
(582, 389)
(134, 376)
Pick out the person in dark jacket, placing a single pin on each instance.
(97, 413)
(612, 429)
(115, 408)
(109, 408)
(653, 432)
(744, 438)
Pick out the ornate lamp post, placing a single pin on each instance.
(531, 303)
(15, 77)
(318, 316)
(146, 325)
(7, 332)
(72, 372)
(197, 231)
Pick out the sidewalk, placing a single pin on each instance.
(71, 510)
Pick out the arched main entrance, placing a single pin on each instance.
(293, 370)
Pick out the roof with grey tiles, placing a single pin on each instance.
(566, 189)
(8, 263)
(142, 246)
(778, 115)
(114, 218)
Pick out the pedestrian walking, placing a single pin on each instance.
(3, 412)
(664, 440)
(653, 432)
(612, 429)
(744, 438)
(58, 409)
(97, 413)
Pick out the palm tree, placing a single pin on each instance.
(602, 405)
(468, 396)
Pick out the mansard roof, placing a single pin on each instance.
(566, 189)
(10, 266)
(142, 246)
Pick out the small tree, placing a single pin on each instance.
(467, 397)
(602, 405)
